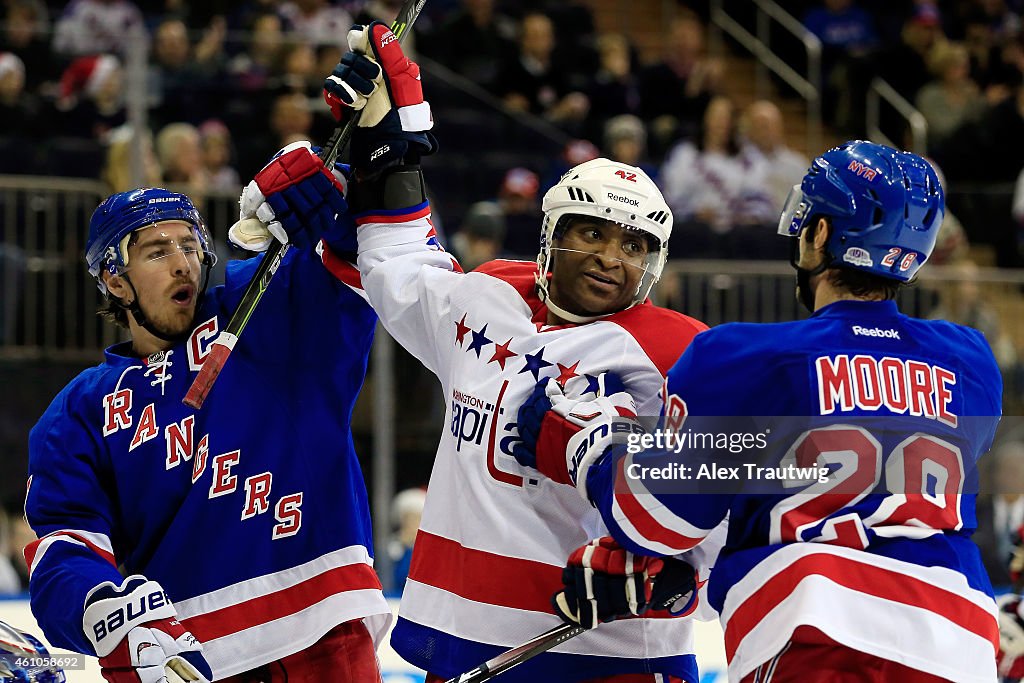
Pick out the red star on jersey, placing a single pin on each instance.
(566, 373)
(460, 330)
(502, 353)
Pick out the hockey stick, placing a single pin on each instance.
(680, 583)
(225, 342)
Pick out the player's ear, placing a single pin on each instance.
(115, 285)
(821, 232)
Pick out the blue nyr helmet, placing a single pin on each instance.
(885, 206)
(119, 215)
(23, 659)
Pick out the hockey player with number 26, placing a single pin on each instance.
(494, 536)
(242, 528)
(870, 575)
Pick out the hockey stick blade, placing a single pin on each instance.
(212, 366)
(679, 582)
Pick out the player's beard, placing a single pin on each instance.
(804, 292)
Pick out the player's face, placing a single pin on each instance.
(597, 267)
(164, 268)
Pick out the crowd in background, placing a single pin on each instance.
(227, 83)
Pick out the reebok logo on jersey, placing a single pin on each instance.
(625, 200)
(875, 332)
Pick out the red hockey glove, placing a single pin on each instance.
(292, 193)
(137, 637)
(564, 430)
(376, 77)
(604, 581)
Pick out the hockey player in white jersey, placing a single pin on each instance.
(494, 535)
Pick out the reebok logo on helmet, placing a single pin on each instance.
(625, 200)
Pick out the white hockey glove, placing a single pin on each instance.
(564, 430)
(137, 636)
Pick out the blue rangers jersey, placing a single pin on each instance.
(877, 554)
(251, 512)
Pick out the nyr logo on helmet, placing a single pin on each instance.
(858, 257)
(862, 170)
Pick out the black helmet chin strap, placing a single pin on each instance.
(803, 275)
(140, 317)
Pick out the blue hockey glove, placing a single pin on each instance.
(376, 77)
(23, 658)
(604, 581)
(564, 430)
(295, 197)
(136, 634)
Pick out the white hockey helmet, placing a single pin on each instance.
(613, 191)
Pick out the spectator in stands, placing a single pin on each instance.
(625, 140)
(215, 143)
(575, 152)
(117, 168)
(473, 42)
(963, 302)
(848, 38)
(951, 98)
(91, 99)
(252, 69)
(291, 119)
(180, 155)
(905, 65)
(481, 235)
(615, 88)
(773, 167)
(19, 110)
(702, 179)
(25, 34)
(406, 510)
(991, 148)
(1000, 510)
(675, 91)
(183, 78)
(532, 81)
(299, 70)
(518, 198)
(90, 26)
(989, 69)
(315, 21)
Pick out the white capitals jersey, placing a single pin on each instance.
(495, 536)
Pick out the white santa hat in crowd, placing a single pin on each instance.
(11, 63)
(87, 75)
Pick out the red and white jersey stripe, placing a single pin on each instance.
(895, 610)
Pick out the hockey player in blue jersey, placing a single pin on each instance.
(869, 573)
(231, 542)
